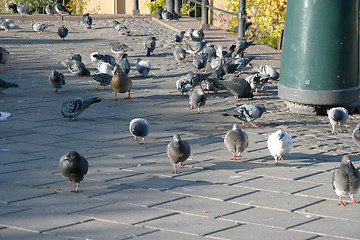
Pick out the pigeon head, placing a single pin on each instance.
(281, 134)
(346, 160)
(236, 127)
(262, 109)
(70, 156)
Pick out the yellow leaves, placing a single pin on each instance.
(153, 5)
(186, 9)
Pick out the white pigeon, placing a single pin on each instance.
(39, 27)
(279, 143)
(338, 117)
(104, 67)
(143, 67)
(4, 115)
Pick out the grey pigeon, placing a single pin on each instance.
(213, 84)
(56, 80)
(168, 16)
(5, 85)
(121, 29)
(197, 98)
(104, 67)
(266, 71)
(22, 9)
(256, 81)
(61, 9)
(39, 27)
(238, 47)
(183, 85)
(143, 67)
(238, 87)
(73, 167)
(179, 54)
(77, 68)
(13, 8)
(102, 79)
(4, 25)
(199, 62)
(86, 20)
(10, 23)
(356, 134)
(196, 78)
(242, 62)
(338, 117)
(4, 57)
(218, 64)
(73, 107)
(139, 127)
(150, 45)
(159, 12)
(249, 113)
(178, 37)
(220, 51)
(236, 141)
(197, 35)
(346, 180)
(97, 57)
(63, 32)
(178, 151)
(49, 9)
(279, 143)
(118, 48)
(124, 63)
(210, 50)
(4, 115)
(194, 48)
(75, 56)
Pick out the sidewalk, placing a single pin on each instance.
(129, 191)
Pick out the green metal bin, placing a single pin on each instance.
(320, 56)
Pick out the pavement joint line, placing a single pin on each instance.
(28, 198)
(101, 205)
(231, 213)
(156, 218)
(147, 155)
(16, 211)
(300, 224)
(305, 189)
(13, 171)
(209, 151)
(48, 183)
(322, 234)
(19, 228)
(223, 229)
(68, 225)
(168, 201)
(308, 175)
(246, 180)
(258, 149)
(117, 178)
(241, 195)
(307, 205)
(136, 165)
(170, 188)
(101, 194)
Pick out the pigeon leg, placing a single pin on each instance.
(180, 164)
(115, 99)
(175, 171)
(73, 119)
(191, 107)
(143, 141)
(253, 125)
(276, 160)
(77, 188)
(71, 182)
(3, 66)
(97, 87)
(341, 202)
(238, 99)
(243, 123)
(352, 199)
(128, 97)
(198, 110)
(233, 158)
(57, 91)
(135, 139)
(333, 130)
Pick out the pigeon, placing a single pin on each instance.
(49, 9)
(22, 9)
(118, 48)
(236, 141)
(139, 127)
(4, 57)
(195, 47)
(63, 32)
(183, 85)
(159, 12)
(220, 51)
(5, 85)
(4, 115)
(103, 79)
(75, 56)
(210, 50)
(196, 78)
(266, 71)
(238, 47)
(13, 8)
(97, 57)
(338, 116)
(178, 151)
(242, 62)
(10, 23)
(213, 84)
(217, 65)
(356, 135)
(249, 113)
(124, 63)
(346, 180)
(61, 9)
(238, 87)
(39, 27)
(4, 25)
(77, 68)
(120, 82)
(73, 107)
(86, 20)
(150, 45)
(197, 98)
(279, 143)
(256, 81)
(143, 67)
(200, 61)
(178, 37)
(56, 80)
(73, 167)
(168, 16)
(104, 67)
(197, 35)
(179, 54)
(121, 29)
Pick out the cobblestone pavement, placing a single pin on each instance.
(129, 191)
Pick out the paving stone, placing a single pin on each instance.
(12, 233)
(162, 234)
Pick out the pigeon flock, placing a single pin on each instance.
(215, 68)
